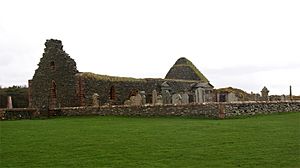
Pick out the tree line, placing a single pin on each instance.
(19, 96)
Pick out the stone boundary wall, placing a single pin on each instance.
(254, 108)
(203, 110)
(207, 110)
(18, 113)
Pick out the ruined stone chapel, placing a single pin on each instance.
(57, 83)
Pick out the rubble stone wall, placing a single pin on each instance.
(124, 89)
(207, 110)
(254, 108)
(53, 83)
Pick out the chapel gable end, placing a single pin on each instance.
(54, 77)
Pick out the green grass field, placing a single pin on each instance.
(260, 141)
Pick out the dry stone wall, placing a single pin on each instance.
(207, 110)
(204, 110)
(254, 108)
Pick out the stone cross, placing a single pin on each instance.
(265, 94)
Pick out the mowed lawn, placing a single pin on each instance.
(260, 141)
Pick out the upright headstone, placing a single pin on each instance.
(265, 94)
(291, 94)
(143, 94)
(199, 94)
(95, 98)
(176, 99)
(185, 98)
(130, 102)
(9, 102)
(137, 100)
(166, 96)
(127, 103)
(159, 100)
(282, 98)
(154, 97)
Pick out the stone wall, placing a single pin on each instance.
(18, 113)
(207, 110)
(203, 110)
(124, 87)
(254, 108)
(57, 82)
(53, 83)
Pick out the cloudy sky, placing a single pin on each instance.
(243, 44)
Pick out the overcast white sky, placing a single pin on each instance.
(243, 44)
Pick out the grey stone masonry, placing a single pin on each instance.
(53, 83)
(185, 98)
(208, 110)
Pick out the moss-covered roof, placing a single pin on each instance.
(91, 75)
(186, 70)
(238, 92)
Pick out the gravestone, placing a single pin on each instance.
(185, 98)
(9, 102)
(265, 94)
(127, 103)
(95, 98)
(199, 94)
(176, 99)
(291, 94)
(137, 100)
(159, 100)
(282, 98)
(131, 99)
(154, 97)
(166, 96)
(143, 94)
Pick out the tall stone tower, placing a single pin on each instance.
(54, 84)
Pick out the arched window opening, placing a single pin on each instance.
(53, 89)
(53, 95)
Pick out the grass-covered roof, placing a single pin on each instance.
(185, 69)
(91, 75)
